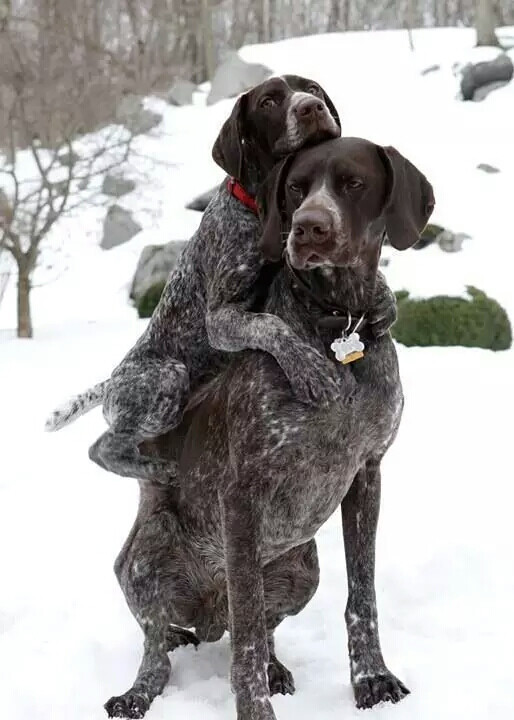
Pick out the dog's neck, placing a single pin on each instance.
(349, 290)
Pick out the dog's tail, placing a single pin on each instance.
(76, 406)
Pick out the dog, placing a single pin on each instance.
(205, 309)
(232, 548)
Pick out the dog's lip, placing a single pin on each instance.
(311, 260)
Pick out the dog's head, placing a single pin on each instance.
(275, 118)
(331, 204)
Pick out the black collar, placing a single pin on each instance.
(334, 317)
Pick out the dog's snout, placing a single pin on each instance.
(309, 107)
(312, 226)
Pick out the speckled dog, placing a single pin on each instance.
(206, 304)
(260, 471)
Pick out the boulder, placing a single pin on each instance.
(154, 265)
(201, 201)
(59, 187)
(181, 92)
(428, 236)
(68, 158)
(484, 75)
(482, 92)
(135, 117)
(119, 227)
(117, 185)
(450, 241)
(485, 167)
(234, 76)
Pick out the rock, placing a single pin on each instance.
(68, 158)
(119, 227)
(117, 185)
(487, 168)
(428, 236)
(135, 117)
(154, 265)
(430, 69)
(450, 241)
(59, 187)
(181, 92)
(130, 104)
(496, 72)
(143, 122)
(486, 90)
(234, 76)
(201, 201)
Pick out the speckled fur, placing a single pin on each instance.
(205, 309)
(233, 548)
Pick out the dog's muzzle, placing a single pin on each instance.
(312, 237)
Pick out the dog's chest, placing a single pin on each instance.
(324, 449)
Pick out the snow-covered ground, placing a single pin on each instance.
(445, 583)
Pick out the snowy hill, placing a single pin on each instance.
(444, 581)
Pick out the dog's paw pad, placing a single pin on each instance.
(280, 679)
(129, 705)
(384, 687)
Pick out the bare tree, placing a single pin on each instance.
(486, 22)
(41, 183)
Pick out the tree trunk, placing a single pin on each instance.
(334, 16)
(485, 22)
(346, 15)
(409, 22)
(208, 43)
(24, 318)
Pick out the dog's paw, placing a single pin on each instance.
(280, 679)
(313, 378)
(383, 313)
(177, 637)
(383, 687)
(129, 705)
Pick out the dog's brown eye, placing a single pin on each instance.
(267, 102)
(355, 184)
(296, 189)
(314, 89)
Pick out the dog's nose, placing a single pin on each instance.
(309, 107)
(312, 226)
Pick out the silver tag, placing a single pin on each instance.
(347, 345)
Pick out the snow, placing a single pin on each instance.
(444, 552)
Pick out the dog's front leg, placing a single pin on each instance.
(250, 655)
(372, 681)
(311, 376)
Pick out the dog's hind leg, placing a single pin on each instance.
(153, 675)
(372, 681)
(145, 398)
(146, 569)
(289, 583)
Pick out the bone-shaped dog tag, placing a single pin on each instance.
(348, 349)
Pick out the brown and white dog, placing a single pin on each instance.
(233, 547)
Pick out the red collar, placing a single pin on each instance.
(238, 191)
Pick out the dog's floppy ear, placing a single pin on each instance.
(409, 202)
(331, 107)
(271, 201)
(228, 150)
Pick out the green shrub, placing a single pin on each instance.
(149, 300)
(477, 321)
